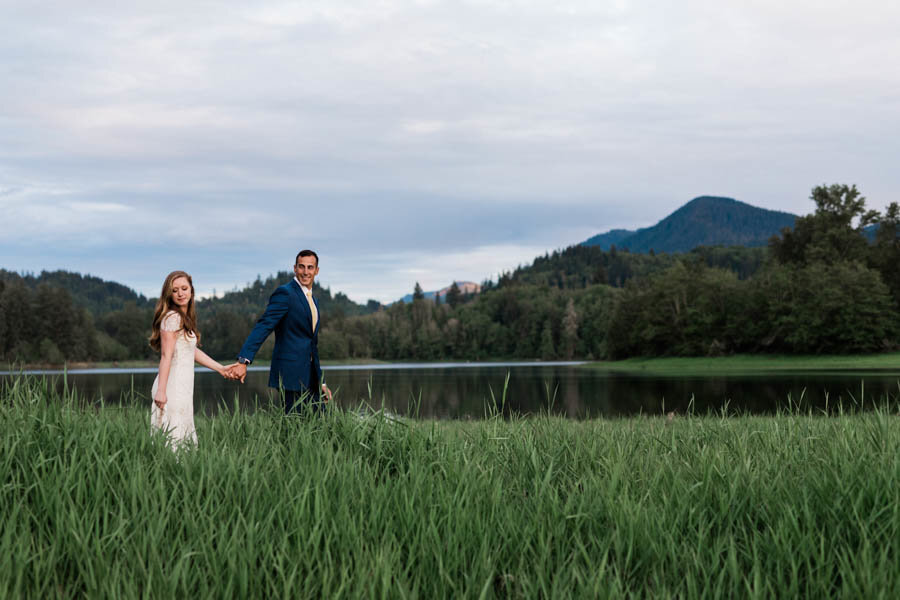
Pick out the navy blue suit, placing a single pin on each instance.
(295, 359)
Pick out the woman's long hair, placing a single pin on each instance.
(166, 303)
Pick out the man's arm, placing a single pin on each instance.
(275, 311)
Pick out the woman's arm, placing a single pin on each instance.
(167, 344)
(203, 358)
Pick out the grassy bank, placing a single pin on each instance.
(349, 506)
(751, 362)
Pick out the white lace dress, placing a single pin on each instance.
(177, 418)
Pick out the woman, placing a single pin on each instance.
(175, 337)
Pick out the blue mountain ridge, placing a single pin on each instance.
(704, 221)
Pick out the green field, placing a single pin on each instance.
(751, 363)
(344, 505)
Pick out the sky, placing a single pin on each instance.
(423, 141)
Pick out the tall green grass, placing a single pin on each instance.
(349, 506)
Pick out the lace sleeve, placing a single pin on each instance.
(171, 322)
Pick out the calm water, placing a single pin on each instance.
(463, 390)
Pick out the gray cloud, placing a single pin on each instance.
(426, 133)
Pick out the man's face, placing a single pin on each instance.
(306, 270)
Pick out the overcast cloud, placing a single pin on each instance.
(418, 141)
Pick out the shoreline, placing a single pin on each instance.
(126, 365)
(740, 363)
(749, 363)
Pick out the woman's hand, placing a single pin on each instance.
(203, 358)
(160, 401)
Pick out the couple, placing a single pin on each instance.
(292, 313)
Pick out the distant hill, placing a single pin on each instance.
(704, 221)
(93, 293)
(252, 300)
(101, 297)
(466, 287)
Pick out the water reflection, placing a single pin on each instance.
(471, 391)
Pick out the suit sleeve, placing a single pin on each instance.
(275, 311)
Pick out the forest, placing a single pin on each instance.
(829, 285)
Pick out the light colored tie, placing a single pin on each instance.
(312, 309)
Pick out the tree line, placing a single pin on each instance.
(41, 321)
(830, 284)
(60, 316)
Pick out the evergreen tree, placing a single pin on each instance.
(454, 296)
(418, 294)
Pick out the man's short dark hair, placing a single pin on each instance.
(307, 253)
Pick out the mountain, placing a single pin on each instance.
(704, 221)
(466, 287)
(612, 237)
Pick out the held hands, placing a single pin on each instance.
(235, 371)
(238, 371)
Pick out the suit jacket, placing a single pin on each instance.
(296, 351)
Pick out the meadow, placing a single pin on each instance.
(364, 504)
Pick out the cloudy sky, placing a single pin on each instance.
(416, 140)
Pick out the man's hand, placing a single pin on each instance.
(236, 371)
(326, 392)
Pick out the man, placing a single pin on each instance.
(293, 314)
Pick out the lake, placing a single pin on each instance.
(463, 390)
